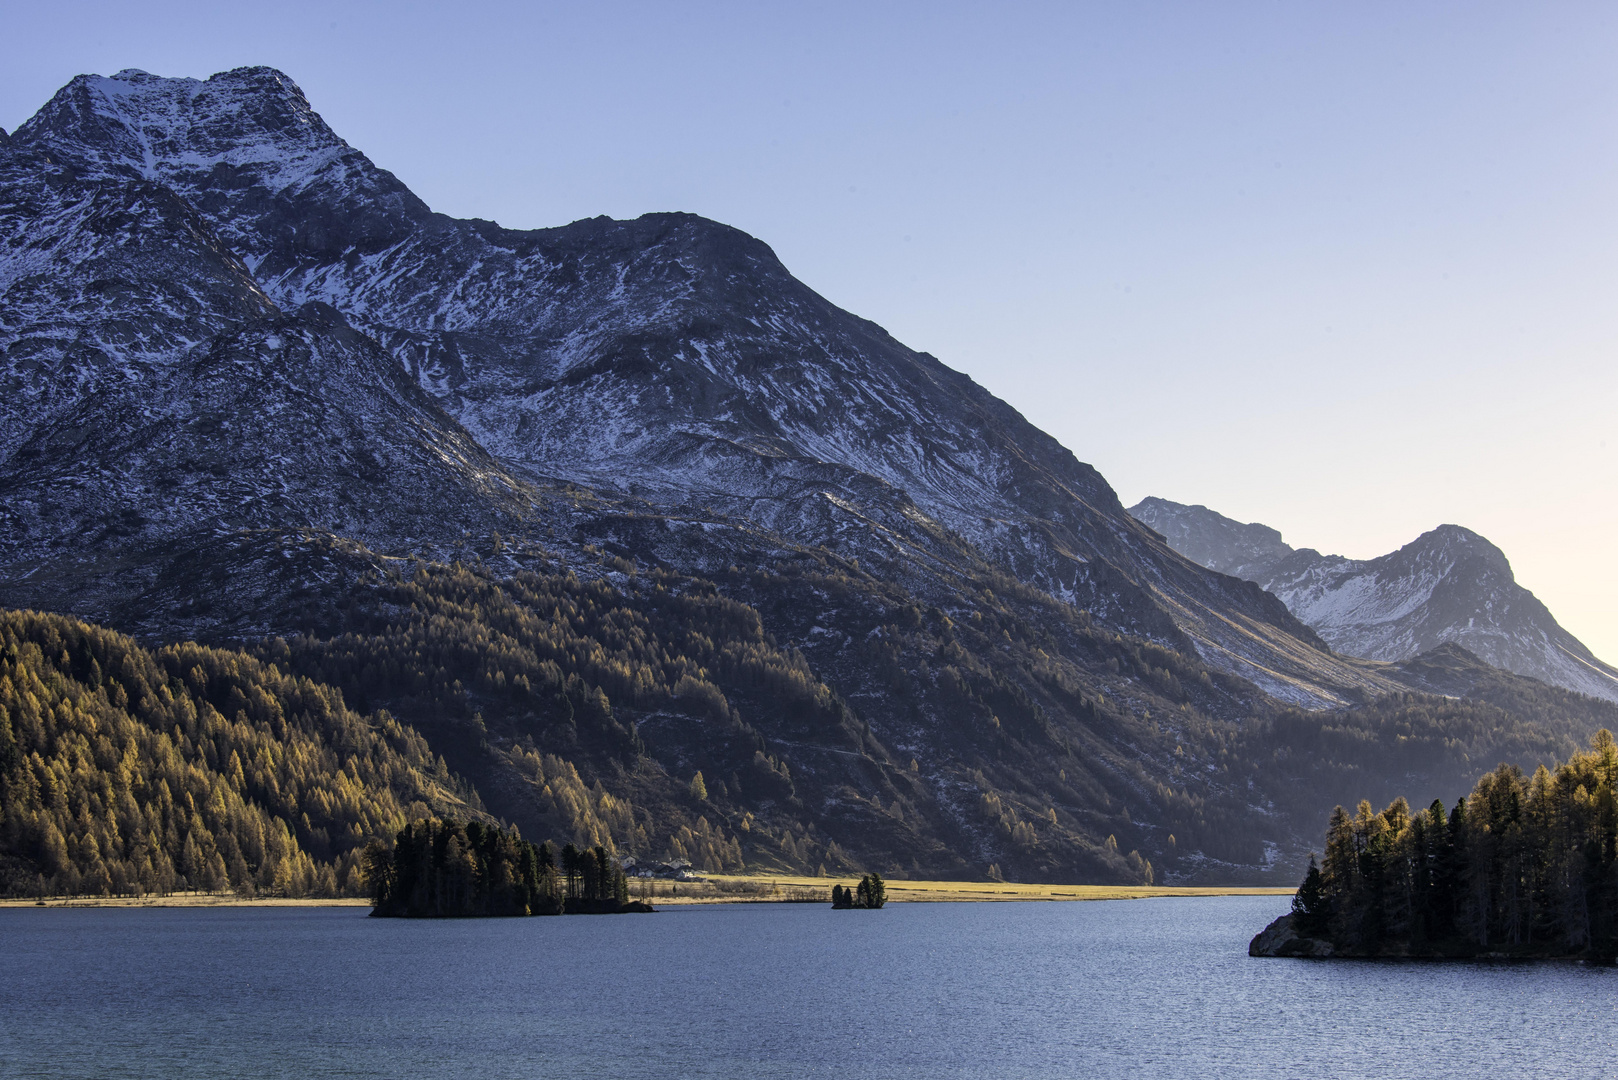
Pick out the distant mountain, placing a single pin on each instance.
(1449, 585)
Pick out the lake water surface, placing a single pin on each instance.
(1145, 988)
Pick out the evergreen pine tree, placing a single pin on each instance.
(1311, 908)
(571, 869)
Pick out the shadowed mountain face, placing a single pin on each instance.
(1449, 585)
(673, 511)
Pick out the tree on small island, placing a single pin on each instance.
(871, 892)
(439, 869)
(443, 869)
(595, 881)
(1522, 867)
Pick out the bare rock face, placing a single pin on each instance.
(1281, 938)
(1449, 586)
(153, 392)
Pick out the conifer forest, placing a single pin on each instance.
(1525, 865)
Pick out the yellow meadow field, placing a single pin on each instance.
(726, 888)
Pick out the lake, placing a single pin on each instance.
(1143, 988)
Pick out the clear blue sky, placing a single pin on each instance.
(1345, 268)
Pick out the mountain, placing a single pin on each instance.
(668, 360)
(153, 391)
(1212, 540)
(597, 508)
(1449, 585)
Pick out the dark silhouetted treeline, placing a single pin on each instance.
(127, 771)
(871, 892)
(445, 869)
(1522, 866)
(595, 880)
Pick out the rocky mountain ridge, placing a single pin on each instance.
(1449, 585)
(668, 359)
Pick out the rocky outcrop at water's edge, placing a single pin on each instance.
(1281, 938)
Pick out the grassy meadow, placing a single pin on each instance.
(745, 888)
(725, 889)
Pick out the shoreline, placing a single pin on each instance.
(187, 900)
(729, 889)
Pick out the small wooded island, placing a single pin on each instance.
(871, 892)
(442, 869)
(1520, 868)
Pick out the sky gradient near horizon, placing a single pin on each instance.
(1348, 270)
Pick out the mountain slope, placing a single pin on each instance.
(128, 770)
(1449, 585)
(154, 393)
(668, 359)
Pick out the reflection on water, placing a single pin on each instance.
(1150, 988)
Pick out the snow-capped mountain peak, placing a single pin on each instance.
(1449, 585)
(244, 147)
(159, 126)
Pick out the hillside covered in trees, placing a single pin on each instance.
(1523, 866)
(126, 770)
(651, 713)
(586, 713)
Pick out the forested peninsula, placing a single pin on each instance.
(1523, 867)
